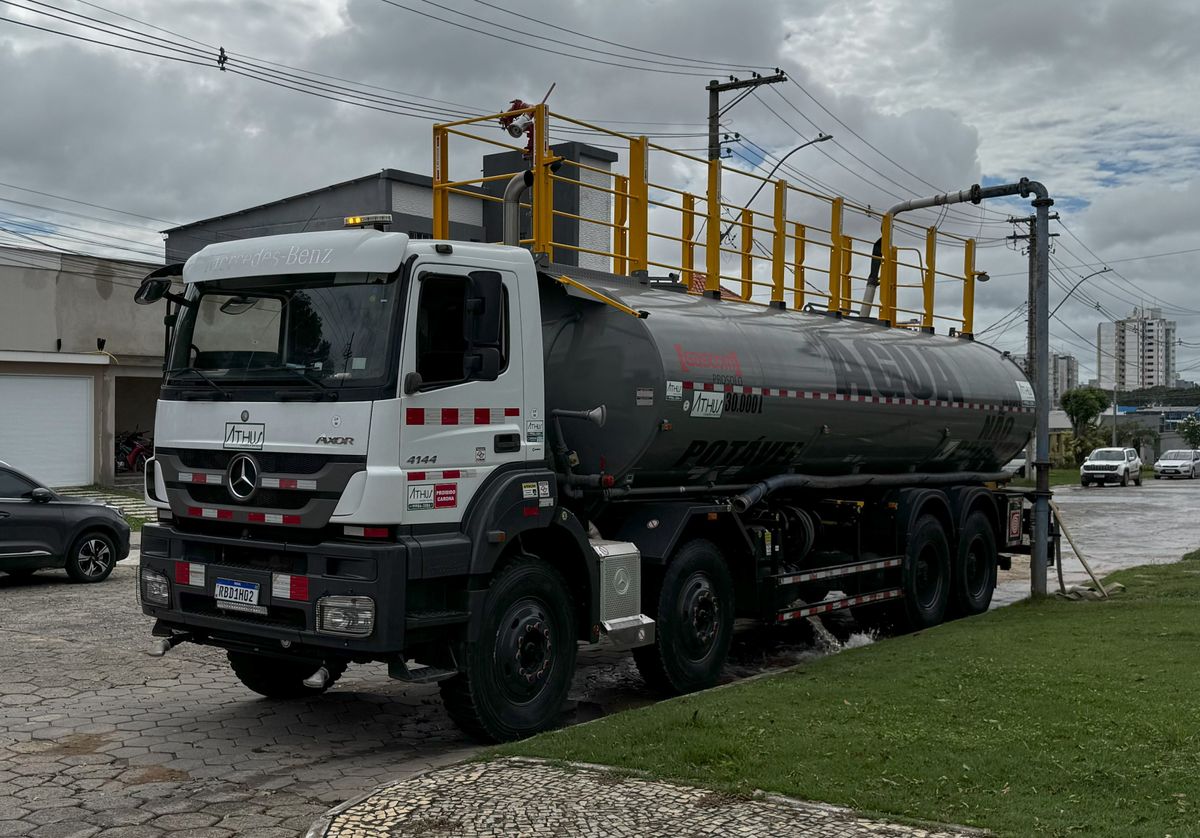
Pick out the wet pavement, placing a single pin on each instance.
(1116, 527)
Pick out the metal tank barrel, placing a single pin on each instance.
(701, 391)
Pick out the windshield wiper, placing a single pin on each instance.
(180, 370)
(325, 393)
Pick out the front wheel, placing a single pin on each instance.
(1124, 478)
(694, 615)
(282, 679)
(515, 678)
(1084, 482)
(92, 558)
(1137, 479)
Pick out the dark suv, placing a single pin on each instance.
(40, 528)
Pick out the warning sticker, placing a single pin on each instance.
(674, 391)
(706, 405)
(529, 490)
(1026, 391)
(445, 495)
(543, 488)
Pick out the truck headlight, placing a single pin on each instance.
(353, 615)
(155, 587)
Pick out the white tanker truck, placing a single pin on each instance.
(463, 462)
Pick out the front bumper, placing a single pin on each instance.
(377, 571)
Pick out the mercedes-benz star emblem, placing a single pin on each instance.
(243, 477)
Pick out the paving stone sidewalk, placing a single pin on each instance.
(532, 798)
(130, 505)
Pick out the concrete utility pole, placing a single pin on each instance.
(1039, 302)
(715, 88)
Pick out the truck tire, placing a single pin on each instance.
(694, 616)
(974, 572)
(515, 678)
(926, 574)
(277, 678)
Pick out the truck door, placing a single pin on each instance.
(463, 387)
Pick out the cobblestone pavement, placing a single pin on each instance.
(99, 739)
(487, 799)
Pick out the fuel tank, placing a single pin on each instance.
(704, 391)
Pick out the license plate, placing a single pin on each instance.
(237, 595)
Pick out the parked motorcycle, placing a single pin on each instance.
(134, 448)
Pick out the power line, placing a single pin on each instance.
(693, 61)
(525, 45)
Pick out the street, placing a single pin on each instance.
(97, 738)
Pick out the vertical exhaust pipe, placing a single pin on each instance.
(513, 192)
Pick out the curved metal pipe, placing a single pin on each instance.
(763, 488)
(512, 206)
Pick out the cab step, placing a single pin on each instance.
(837, 604)
(433, 619)
(418, 673)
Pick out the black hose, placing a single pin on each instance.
(776, 482)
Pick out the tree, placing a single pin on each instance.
(1137, 435)
(1083, 405)
(1189, 429)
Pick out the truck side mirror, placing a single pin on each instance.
(152, 289)
(484, 311)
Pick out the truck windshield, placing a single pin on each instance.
(316, 330)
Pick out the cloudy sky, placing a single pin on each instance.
(1095, 99)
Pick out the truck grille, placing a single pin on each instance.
(271, 462)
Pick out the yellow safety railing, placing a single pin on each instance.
(783, 253)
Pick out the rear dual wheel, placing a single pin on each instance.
(974, 577)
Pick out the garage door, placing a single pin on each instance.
(46, 427)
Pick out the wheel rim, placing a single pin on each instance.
(525, 650)
(928, 572)
(94, 557)
(975, 568)
(699, 613)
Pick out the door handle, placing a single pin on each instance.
(506, 443)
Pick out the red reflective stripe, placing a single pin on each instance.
(287, 484)
(414, 416)
(452, 474)
(512, 411)
(182, 573)
(416, 475)
(449, 415)
(375, 532)
(195, 511)
(225, 514)
(256, 517)
(483, 416)
(298, 588)
(291, 519)
(530, 511)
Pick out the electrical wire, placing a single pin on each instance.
(619, 45)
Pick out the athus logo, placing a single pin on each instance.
(689, 361)
(335, 440)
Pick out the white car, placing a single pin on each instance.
(1181, 462)
(1111, 465)
(1016, 466)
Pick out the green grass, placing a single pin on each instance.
(1048, 718)
(1058, 477)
